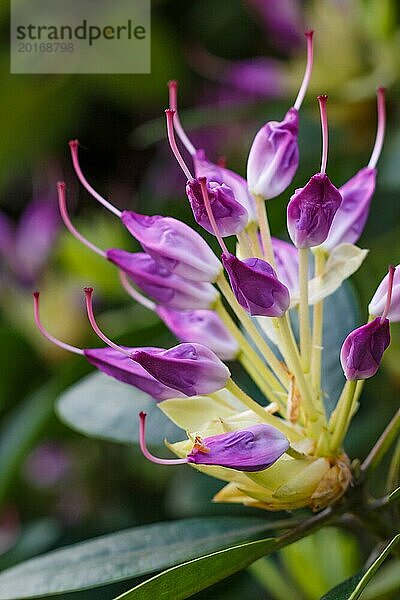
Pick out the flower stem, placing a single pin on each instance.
(304, 317)
(340, 418)
(292, 358)
(252, 231)
(252, 330)
(383, 444)
(261, 208)
(252, 405)
(393, 477)
(317, 334)
(245, 248)
(251, 361)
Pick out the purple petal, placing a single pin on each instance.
(349, 221)
(212, 172)
(121, 367)
(160, 284)
(174, 245)
(256, 286)
(274, 156)
(191, 368)
(253, 449)
(202, 327)
(231, 217)
(363, 349)
(311, 210)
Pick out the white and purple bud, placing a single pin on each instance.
(377, 304)
(312, 208)
(201, 327)
(113, 361)
(274, 154)
(253, 449)
(351, 217)
(256, 286)
(232, 217)
(174, 245)
(164, 287)
(193, 369)
(363, 349)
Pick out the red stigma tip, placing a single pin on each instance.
(170, 111)
(73, 143)
(309, 33)
(61, 185)
(322, 97)
(381, 89)
(88, 290)
(142, 414)
(36, 294)
(172, 83)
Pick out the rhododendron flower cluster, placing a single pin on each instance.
(284, 451)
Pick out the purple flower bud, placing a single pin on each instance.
(311, 210)
(256, 286)
(230, 216)
(274, 156)
(287, 264)
(174, 245)
(121, 367)
(363, 349)
(201, 327)
(350, 218)
(377, 304)
(160, 284)
(253, 449)
(192, 369)
(218, 174)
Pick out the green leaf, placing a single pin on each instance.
(21, 429)
(187, 579)
(104, 408)
(394, 496)
(352, 588)
(124, 555)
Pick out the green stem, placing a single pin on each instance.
(252, 230)
(244, 244)
(261, 412)
(263, 223)
(252, 330)
(304, 317)
(291, 355)
(382, 445)
(318, 321)
(340, 418)
(251, 361)
(393, 476)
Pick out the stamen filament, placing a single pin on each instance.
(260, 411)
(89, 309)
(392, 271)
(48, 335)
(308, 71)
(172, 142)
(210, 214)
(380, 130)
(318, 320)
(67, 221)
(322, 100)
(173, 103)
(134, 293)
(74, 144)
(145, 450)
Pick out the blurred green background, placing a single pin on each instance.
(238, 63)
